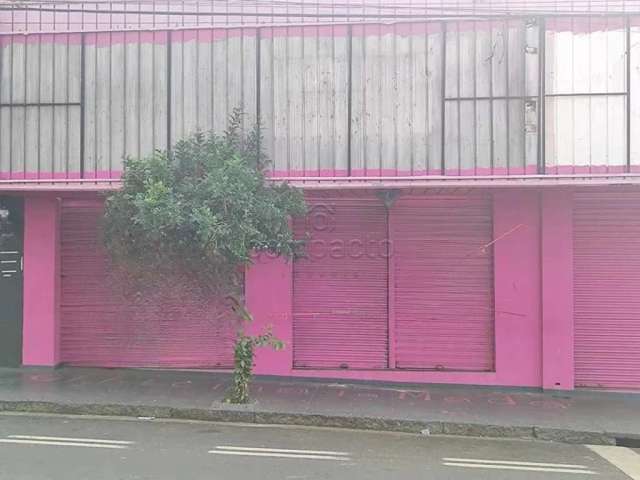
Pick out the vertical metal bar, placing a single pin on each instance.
(82, 103)
(349, 97)
(396, 160)
(508, 92)
(183, 82)
(258, 87)
(523, 26)
(67, 108)
(39, 109)
(125, 56)
(95, 105)
(53, 107)
(139, 92)
(196, 45)
(427, 102)
(443, 67)
(288, 89)
(110, 103)
(26, 108)
(212, 61)
(459, 100)
(541, 94)
(628, 75)
(475, 100)
(491, 100)
(154, 93)
(379, 102)
(169, 68)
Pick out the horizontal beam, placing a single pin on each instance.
(333, 183)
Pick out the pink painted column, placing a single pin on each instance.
(557, 290)
(269, 296)
(516, 226)
(40, 344)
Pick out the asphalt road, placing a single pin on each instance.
(59, 447)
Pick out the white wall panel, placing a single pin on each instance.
(586, 86)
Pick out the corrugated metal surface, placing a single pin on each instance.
(404, 99)
(101, 326)
(443, 283)
(340, 288)
(304, 90)
(40, 87)
(491, 89)
(606, 286)
(397, 76)
(213, 72)
(125, 99)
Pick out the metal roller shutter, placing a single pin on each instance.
(606, 230)
(442, 272)
(100, 327)
(340, 288)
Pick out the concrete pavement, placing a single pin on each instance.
(34, 447)
(576, 417)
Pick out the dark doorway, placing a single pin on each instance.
(11, 226)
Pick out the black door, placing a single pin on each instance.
(11, 221)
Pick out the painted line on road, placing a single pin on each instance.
(65, 439)
(65, 444)
(511, 462)
(622, 458)
(281, 450)
(279, 455)
(516, 467)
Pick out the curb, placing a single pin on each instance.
(317, 420)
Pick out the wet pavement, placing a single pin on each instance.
(581, 410)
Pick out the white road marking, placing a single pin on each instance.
(65, 444)
(622, 458)
(280, 450)
(521, 468)
(278, 455)
(511, 462)
(64, 439)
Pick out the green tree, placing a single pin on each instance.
(202, 211)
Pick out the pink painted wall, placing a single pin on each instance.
(518, 327)
(557, 290)
(516, 227)
(268, 291)
(41, 282)
(532, 263)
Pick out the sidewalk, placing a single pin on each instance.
(574, 417)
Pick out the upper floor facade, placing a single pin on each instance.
(495, 95)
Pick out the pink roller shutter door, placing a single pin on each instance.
(606, 289)
(340, 287)
(443, 282)
(100, 326)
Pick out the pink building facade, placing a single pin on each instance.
(534, 323)
(472, 179)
